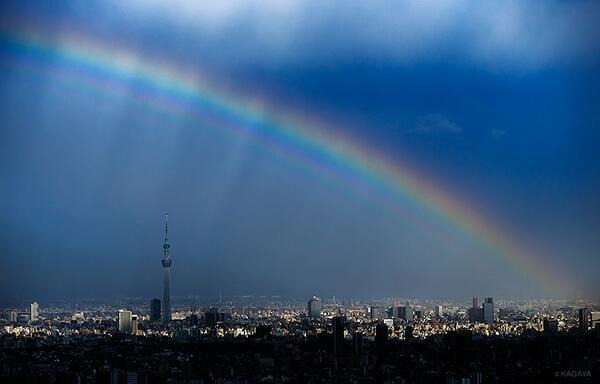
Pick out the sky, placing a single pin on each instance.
(495, 105)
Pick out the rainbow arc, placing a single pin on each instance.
(114, 69)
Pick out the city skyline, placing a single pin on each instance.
(456, 158)
(364, 335)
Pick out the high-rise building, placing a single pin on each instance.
(13, 316)
(314, 307)
(405, 313)
(166, 263)
(381, 336)
(214, 316)
(439, 311)
(378, 313)
(154, 310)
(594, 319)
(125, 318)
(339, 323)
(488, 310)
(475, 312)
(34, 311)
(584, 319)
(134, 324)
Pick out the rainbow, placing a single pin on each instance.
(173, 89)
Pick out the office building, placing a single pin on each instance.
(134, 324)
(594, 319)
(34, 311)
(13, 316)
(213, 316)
(154, 310)
(475, 315)
(314, 307)
(378, 313)
(339, 324)
(439, 311)
(125, 318)
(405, 313)
(488, 310)
(475, 312)
(584, 319)
(166, 263)
(381, 336)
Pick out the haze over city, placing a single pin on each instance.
(427, 149)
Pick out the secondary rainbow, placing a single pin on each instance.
(173, 89)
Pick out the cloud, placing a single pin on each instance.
(435, 123)
(497, 34)
(497, 133)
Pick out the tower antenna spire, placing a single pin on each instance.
(166, 226)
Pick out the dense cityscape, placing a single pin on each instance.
(271, 339)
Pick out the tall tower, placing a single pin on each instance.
(166, 263)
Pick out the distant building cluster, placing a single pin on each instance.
(344, 339)
(588, 319)
(128, 322)
(485, 313)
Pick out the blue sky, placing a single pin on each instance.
(496, 101)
